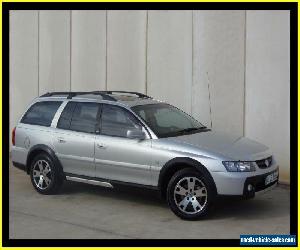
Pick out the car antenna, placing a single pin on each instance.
(209, 99)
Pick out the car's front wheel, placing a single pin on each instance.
(45, 175)
(190, 194)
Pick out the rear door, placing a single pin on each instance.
(118, 157)
(75, 137)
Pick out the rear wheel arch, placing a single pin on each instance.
(179, 163)
(38, 149)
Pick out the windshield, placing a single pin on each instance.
(166, 120)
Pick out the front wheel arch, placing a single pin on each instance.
(177, 164)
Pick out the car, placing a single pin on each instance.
(110, 138)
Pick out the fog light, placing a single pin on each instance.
(250, 187)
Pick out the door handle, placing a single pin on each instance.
(61, 140)
(99, 145)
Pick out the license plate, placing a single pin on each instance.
(271, 178)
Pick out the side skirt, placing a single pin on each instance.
(19, 166)
(104, 182)
(92, 182)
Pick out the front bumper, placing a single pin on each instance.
(258, 184)
(233, 183)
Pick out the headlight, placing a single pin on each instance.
(239, 166)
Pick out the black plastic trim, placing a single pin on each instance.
(258, 183)
(70, 95)
(46, 149)
(20, 166)
(184, 161)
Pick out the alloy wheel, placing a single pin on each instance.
(42, 175)
(190, 195)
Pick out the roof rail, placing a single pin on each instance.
(127, 92)
(70, 95)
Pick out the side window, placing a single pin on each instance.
(64, 121)
(84, 117)
(41, 113)
(115, 121)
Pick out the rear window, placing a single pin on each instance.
(41, 113)
(80, 117)
(64, 121)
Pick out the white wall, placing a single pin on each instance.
(54, 51)
(171, 55)
(219, 66)
(126, 50)
(267, 114)
(23, 66)
(169, 60)
(88, 46)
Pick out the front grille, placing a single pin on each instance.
(264, 163)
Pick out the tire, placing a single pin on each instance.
(190, 194)
(46, 177)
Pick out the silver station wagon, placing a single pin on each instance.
(108, 138)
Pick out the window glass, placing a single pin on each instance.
(115, 121)
(166, 120)
(41, 113)
(84, 117)
(166, 117)
(64, 121)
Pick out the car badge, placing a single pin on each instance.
(267, 163)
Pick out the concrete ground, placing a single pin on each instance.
(84, 211)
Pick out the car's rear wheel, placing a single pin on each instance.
(190, 194)
(45, 175)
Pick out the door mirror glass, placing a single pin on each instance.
(136, 134)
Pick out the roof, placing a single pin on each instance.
(126, 98)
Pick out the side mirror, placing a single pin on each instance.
(136, 134)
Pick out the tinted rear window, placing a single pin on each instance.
(41, 113)
(85, 117)
(80, 116)
(64, 121)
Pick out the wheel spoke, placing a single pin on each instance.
(47, 180)
(196, 205)
(180, 190)
(191, 184)
(41, 167)
(36, 173)
(40, 184)
(47, 170)
(184, 203)
(200, 192)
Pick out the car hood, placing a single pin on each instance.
(230, 146)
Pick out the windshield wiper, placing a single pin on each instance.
(191, 129)
(184, 131)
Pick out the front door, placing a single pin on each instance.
(118, 157)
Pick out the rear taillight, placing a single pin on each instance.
(13, 137)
